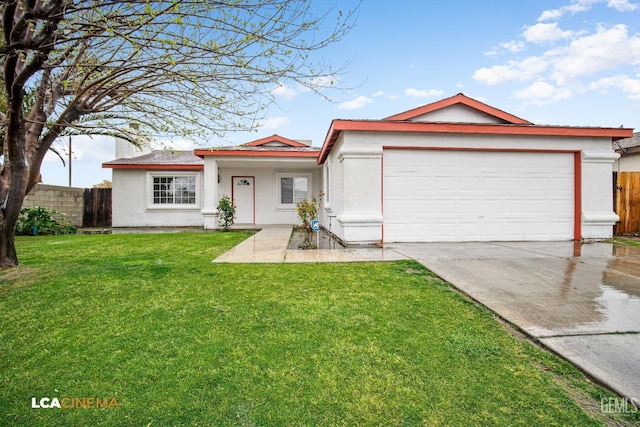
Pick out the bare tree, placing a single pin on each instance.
(172, 67)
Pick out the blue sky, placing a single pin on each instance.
(559, 62)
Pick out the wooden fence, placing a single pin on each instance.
(626, 201)
(97, 207)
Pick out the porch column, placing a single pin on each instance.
(598, 217)
(210, 193)
(361, 218)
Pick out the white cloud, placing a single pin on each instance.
(417, 93)
(355, 104)
(622, 5)
(626, 84)
(540, 93)
(386, 95)
(607, 49)
(524, 70)
(511, 47)
(85, 148)
(284, 91)
(581, 6)
(576, 6)
(540, 33)
(495, 75)
(576, 56)
(274, 122)
(550, 14)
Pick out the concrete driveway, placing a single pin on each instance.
(580, 300)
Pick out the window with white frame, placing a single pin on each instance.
(293, 189)
(174, 190)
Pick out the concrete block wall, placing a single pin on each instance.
(69, 200)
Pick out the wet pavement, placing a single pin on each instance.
(269, 245)
(580, 300)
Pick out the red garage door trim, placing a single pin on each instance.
(577, 176)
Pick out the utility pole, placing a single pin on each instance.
(69, 160)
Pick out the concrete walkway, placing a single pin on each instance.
(269, 245)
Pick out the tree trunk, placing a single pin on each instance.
(9, 213)
(8, 255)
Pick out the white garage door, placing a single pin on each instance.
(444, 195)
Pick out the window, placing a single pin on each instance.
(327, 185)
(293, 189)
(174, 190)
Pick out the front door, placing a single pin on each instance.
(244, 197)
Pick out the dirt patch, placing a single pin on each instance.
(296, 242)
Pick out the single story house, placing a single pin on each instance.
(629, 150)
(453, 170)
(265, 179)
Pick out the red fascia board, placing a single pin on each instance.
(329, 141)
(459, 99)
(338, 126)
(155, 167)
(275, 138)
(249, 153)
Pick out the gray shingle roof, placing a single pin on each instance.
(161, 157)
(626, 143)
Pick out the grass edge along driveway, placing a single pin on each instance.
(149, 322)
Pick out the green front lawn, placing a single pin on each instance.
(150, 322)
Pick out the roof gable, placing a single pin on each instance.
(270, 146)
(275, 141)
(458, 105)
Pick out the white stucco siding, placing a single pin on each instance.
(361, 156)
(126, 203)
(335, 202)
(458, 114)
(479, 141)
(598, 217)
(356, 216)
(628, 163)
(132, 204)
(266, 189)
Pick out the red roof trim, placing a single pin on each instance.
(459, 99)
(337, 126)
(329, 141)
(246, 153)
(153, 167)
(275, 138)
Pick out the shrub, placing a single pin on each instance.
(226, 212)
(307, 211)
(39, 220)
